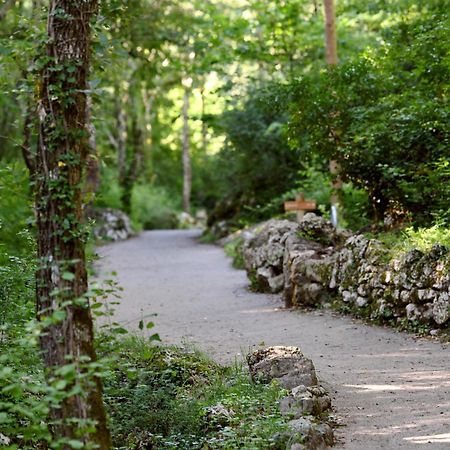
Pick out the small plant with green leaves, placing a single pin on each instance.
(234, 250)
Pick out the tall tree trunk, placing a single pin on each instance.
(93, 166)
(330, 32)
(187, 170)
(61, 279)
(135, 157)
(332, 60)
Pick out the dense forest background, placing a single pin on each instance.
(243, 87)
(227, 106)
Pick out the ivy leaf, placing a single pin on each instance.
(68, 276)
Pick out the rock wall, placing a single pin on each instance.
(312, 264)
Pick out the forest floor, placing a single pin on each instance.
(391, 389)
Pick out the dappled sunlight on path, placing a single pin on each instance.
(392, 390)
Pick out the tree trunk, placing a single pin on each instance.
(135, 158)
(187, 171)
(330, 32)
(93, 167)
(61, 279)
(332, 60)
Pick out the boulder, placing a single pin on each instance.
(303, 400)
(313, 436)
(287, 365)
(111, 224)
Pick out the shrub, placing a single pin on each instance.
(153, 208)
(384, 118)
(16, 212)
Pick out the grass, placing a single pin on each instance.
(173, 398)
(408, 239)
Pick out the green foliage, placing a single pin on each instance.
(109, 195)
(153, 208)
(179, 389)
(26, 393)
(384, 118)
(256, 165)
(15, 209)
(16, 293)
(410, 238)
(234, 251)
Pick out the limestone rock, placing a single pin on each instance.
(287, 365)
(441, 308)
(314, 436)
(263, 253)
(305, 400)
(111, 224)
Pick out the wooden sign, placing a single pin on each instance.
(300, 205)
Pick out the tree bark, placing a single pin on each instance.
(332, 60)
(93, 168)
(135, 157)
(330, 32)
(61, 278)
(187, 170)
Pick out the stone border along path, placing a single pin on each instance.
(391, 390)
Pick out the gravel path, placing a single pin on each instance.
(392, 391)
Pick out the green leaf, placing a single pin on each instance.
(154, 337)
(120, 330)
(68, 276)
(75, 444)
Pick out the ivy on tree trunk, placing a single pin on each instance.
(61, 281)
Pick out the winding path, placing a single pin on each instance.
(392, 391)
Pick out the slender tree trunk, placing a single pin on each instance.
(135, 157)
(330, 32)
(93, 167)
(332, 60)
(187, 170)
(61, 279)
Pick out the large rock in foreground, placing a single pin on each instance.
(287, 365)
(307, 404)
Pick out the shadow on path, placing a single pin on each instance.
(392, 390)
